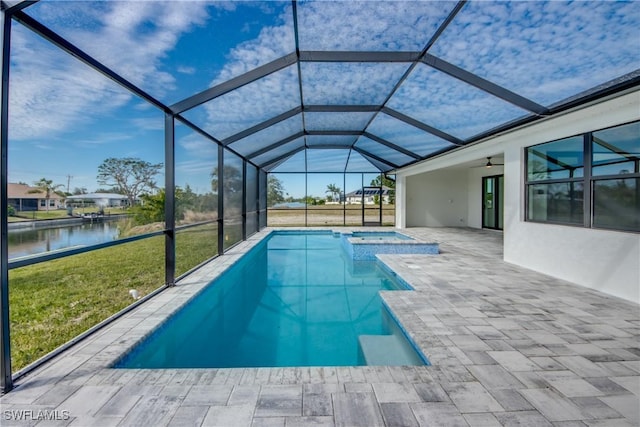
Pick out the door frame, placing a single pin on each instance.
(498, 203)
(364, 208)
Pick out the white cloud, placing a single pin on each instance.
(196, 143)
(132, 39)
(194, 167)
(405, 135)
(43, 104)
(103, 138)
(186, 70)
(252, 104)
(369, 25)
(349, 83)
(268, 136)
(451, 105)
(546, 51)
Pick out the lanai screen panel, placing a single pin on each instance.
(329, 121)
(382, 151)
(357, 163)
(347, 83)
(327, 160)
(368, 25)
(451, 105)
(173, 49)
(345, 141)
(268, 136)
(295, 163)
(265, 158)
(537, 49)
(406, 136)
(249, 105)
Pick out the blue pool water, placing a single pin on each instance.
(296, 299)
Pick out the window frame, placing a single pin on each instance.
(588, 180)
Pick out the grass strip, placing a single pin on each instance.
(52, 302)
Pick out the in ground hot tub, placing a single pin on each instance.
(365, 245)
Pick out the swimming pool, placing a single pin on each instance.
(296, 299)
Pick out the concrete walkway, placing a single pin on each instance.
(508, 346)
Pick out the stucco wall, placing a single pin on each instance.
(608, 261)
(437, 199)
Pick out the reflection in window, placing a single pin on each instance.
(606, 195)
(556, 160)
(616, 151)
(616, 204)
(559, 202)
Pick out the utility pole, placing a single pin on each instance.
(68, 182)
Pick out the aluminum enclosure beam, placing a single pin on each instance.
(169, 201)
(6, 380)
(392, 145)
(328, 146)
(341, 108)
(261, 126)
(358, 56)
(275, 145)
(416, 123)
(430, 43)
(484, 85)
(16, 6)
(373, 156)
(282, 157)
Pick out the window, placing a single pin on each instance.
(591, 180)
(616, 177)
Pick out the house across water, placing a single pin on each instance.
(23, 197)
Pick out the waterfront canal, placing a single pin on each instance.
(32, 241)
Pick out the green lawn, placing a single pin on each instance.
(38, 215)
(329, 215)
(54, 301)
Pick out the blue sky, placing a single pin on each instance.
(65, 118)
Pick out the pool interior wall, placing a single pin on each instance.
(295, 299)
(365, 245)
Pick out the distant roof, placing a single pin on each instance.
(114, 196)
(24, 191)
(370, 191)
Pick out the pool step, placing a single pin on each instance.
(387, 350)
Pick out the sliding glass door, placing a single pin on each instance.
(492, 202)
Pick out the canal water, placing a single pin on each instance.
(30, 241)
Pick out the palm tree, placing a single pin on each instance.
(46, 186)
(334, 190)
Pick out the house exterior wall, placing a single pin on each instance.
(437, 199)
(608, 261)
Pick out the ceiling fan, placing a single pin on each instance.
(491, 164)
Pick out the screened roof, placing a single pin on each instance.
(350, 86)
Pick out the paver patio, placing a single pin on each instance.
(508, 346)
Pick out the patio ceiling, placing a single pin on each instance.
(358, 86)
